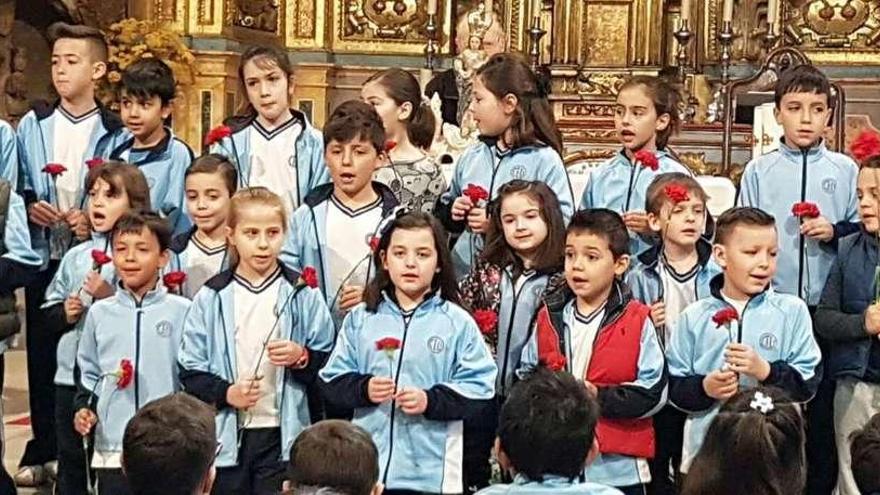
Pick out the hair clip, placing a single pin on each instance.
(762, 403)
(386, 222)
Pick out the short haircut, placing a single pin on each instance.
(742, 215)
(96, 41)
(547, 425)
(135, 222)
(169, 446)
(865, 454)
(803, 79)
(602, 222)
(655, 198)
(122, 176)
(214, 163)
(149, 77)
(334, 454)
(352, 120)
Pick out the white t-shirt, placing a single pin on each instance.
(679, 291)
(583, 336)
(254, 318)
(72, 137)
(202, 263)
(273, 160)
(348, 236)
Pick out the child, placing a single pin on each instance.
(201, 253)
(848, 317)
(141, 324)
(548, 436)
(146, 103)
(411, 362)
(253, 342)
(333, 229)
(525, 239)
(865, 454)
(754, 445)
(114, 189)
(178, 460)
(669, 277)
(744, 335)
(334, 456)
(520, 141)
(645, 119)
(596, 331)
(413, 175)
(273, 145)
(71, 131)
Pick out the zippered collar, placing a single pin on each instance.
(618, 299)
(224, 278)
(240, 122)
(621, 156)
(179, 242)
(154, 296)
(43, 109)
(651, 257)
(814, 153)
(717, 283)
(154, 153)
(491, 143)
(323, 192)
(431, 300)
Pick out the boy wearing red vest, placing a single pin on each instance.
(594, 329)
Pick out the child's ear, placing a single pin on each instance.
(167, 108)
(593, 453)
(621, 265)
(228, 230)
(383, 255)
(654, 222)
(663, 122)
(164, 258)
(503, 460)
(720, 255)
(99, 70)
(509, 103)
(404, 111)
(776, 115)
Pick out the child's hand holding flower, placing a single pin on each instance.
(818, 228)
(637, 221)
(79, 223)
(284, 352)
(95, 286)
(658, 313)
(84, 420)
(743, 359)
(721, 385)
(460, 208)
(412, 400)
(73, 308)
(477, 220)
(380, 389)
(244, 394)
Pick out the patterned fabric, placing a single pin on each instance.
(416, 184)
(481, 289)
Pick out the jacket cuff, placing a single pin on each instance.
(687, 393)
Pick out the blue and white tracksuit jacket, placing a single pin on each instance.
(644, 278)
(19, 263)
(442, 352)
(9, 155)
(621, 186)
(208, 362)
(777, 326)
(178, 261)
(775, 182)
(164, 166)
(146, 332)
(311, 170)
(483, 165)
(69, 278)
(552, 485)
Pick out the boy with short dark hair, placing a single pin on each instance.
(141, 325)
(336, 456)
(594, 329)
(332, 230)
(169, 446)
(803, 169)
(744, 334)
(146, 103)
(546, 437)
(69, 132)
(865, 454)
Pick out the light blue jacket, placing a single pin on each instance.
(8, 155)
(311, 171)
(207, 355)
(644, 278)
(777, 326)
(178, 261)
(775, 182)
(306, 242)
(551, 485)
(441, 352)
(19, 262)
(164, 166)
(477, 166)
(69, 278)
(36, 147)
(147, 333)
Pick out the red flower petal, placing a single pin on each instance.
(866, 145)
(94, 162)
(387, 344)
(309, 277)
(390, 145)
(174, 279)
(374, 243)
(125, 375)
(555, 362)
(725, 316)
(805, 209)
(647, 159)
(475, 193)
(54, 169)
(99, 258)
(487, 320)
(217, 134)
(676, 193)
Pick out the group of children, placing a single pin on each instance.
(292, 275)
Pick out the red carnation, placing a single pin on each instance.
(174, 280)
(487, 320)
(390, 145)
(647, 159)
(555, 362)
(387, 344)
(217, 134)
(476, 193)
(309, 277)
(866, 145)
(725, 316)
(374, 243)
(99, 259)
(94, 162)
(125, 374)
(676, 193)
(805, 209)
(54, 169)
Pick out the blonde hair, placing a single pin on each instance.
(248, 197)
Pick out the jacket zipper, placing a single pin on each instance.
(516, 294)
(801, 239)
(137, 356)
(629, 191)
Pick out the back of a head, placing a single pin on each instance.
(354, 119)
(547, 425)
(333, 457)
(169, 446)
(865, 455)
(754, 446)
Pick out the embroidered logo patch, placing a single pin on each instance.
(436, 345)
(163, 328)
(829, 186)
(768, 341)
(518, 172)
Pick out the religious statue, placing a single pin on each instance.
(471, 58)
